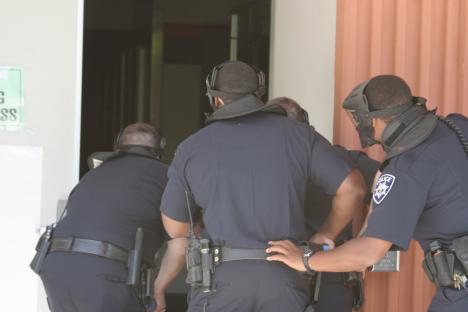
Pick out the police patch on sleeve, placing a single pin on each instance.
(383, 187)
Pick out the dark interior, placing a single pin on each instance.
(146, 60)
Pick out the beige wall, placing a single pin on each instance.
(303, 57)
(44, 38)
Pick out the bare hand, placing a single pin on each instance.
(319, 238)
(288, 253)
(160, 302)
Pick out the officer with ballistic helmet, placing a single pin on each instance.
(422, 192)
(247, 170)
(338, 292)
(99, 255)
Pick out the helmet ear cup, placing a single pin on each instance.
(162, 143)
(208, 94)
(117, 140)
(160, 149)
(305, 116)
(211, 82)
(261, 89)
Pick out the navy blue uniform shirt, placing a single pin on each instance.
(111, 201)
(249, 176)
(318, 203)
(423, 193)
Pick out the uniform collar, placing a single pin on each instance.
(414, 135)
(245, 105)
(97, 158)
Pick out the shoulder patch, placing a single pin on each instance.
(383, 187)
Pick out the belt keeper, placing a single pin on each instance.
(108, 249)
(69, 243)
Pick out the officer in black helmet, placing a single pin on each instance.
(338, 292)
(422, 192)
(88, 263)
(248, 171)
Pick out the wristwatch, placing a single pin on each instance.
(309, 250)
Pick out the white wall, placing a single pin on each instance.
(45, 39)
(303, 57)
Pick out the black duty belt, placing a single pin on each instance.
(89, 246)
(226, 254)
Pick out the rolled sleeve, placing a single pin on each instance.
(327, 168)
(174, 203)
(397, 204)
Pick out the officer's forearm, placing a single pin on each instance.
(346, 203)
(172, 263)
(355, 255)
(359, 220)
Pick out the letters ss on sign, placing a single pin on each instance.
(11, 96)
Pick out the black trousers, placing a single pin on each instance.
(87, 283)
(252, 286)
(449, 300)
(334, 296)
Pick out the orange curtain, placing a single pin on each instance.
(426, 43)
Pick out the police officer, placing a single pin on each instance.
(339, 292)
(248, 171)
(86, 266)
(422, 192)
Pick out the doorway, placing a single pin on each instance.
(146, 60)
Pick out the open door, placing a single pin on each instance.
(147, 61)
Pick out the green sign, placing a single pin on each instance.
(11, 96)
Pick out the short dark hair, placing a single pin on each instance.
(139, 133)
(386, 91)
(292, 108)
(236, 79)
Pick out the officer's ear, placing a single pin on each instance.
(218, 102)
(379, 126)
